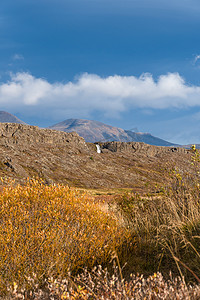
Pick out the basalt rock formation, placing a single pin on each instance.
(24, 137)
(55, 156)
(134, 147)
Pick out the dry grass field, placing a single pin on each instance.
(58, 242)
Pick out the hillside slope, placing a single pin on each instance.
(55, 156)
(94, 131)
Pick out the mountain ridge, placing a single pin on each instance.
(95, 131)
(6, 117)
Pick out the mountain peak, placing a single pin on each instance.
(6, 117)
(95, 131)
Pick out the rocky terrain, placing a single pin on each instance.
(55, 156)
(93, 131)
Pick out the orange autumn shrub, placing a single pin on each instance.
(48, 230)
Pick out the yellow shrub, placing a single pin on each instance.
(48, 230)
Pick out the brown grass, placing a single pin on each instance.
(166, 228)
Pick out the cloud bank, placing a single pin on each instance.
(89, 92)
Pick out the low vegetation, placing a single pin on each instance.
(51, 230)
(166, 229)
(60, 243)
(99, 284)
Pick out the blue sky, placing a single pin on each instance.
(127, 63)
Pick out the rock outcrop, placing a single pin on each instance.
(133, 147)
(24, 136)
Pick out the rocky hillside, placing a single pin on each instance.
(93, 131)
(5, 117)
(55, 156)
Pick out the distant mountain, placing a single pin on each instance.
(94, 131)
(5, 117)
(190, 145)
(147, 138)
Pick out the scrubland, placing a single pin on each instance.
(60, 243)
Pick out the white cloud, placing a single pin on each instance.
(197, 57)
(17, 57)
(110, 95)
